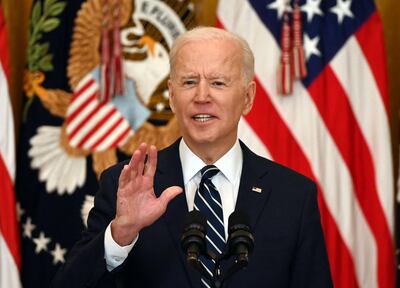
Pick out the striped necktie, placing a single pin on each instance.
(208, 201)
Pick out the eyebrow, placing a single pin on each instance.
(216, 76)
(225, 78)
(187, 76)
(211, 77)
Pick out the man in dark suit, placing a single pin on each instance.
(134, 229)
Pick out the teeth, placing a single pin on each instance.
(202, 117)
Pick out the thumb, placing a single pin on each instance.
(169, 194)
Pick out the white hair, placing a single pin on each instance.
(212, 33)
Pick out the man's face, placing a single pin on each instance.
(208, 93)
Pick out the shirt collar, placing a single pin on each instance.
(230, 164)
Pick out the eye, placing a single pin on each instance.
(218, 83)
(188, 82)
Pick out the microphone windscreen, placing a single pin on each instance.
(238, 220)
(194, 217)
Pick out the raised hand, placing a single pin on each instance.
(137, 205)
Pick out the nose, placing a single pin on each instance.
(202, 92)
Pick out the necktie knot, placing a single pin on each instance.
(208, 172)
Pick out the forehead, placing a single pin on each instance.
(223, 55)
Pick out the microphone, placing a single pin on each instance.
(240, 240)
(240, 245)
(193, 240)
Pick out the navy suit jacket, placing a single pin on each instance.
(289, 244)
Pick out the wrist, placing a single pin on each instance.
(122, 234)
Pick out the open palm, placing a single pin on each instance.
(137, 205)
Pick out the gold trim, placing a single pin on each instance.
(102, 160)
(71, 151)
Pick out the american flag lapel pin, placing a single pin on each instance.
(256, 189)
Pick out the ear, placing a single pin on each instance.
(249, 97)
(171, 95)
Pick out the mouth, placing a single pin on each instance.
(203, 117)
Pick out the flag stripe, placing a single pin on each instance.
(281, 143)
(356, 78)
(82, 85)
(340, 259)
(360, 165)
(75, 117)
(105, 135)
(381, 151)
(371, 32)
(81, 101)
(123, 135)
(9, 277)
(8, 217)
(7, 149)
(85, 84)
(102, 132)
(251, 139)
(78, 130)
(10, 260)
(117, 136)
(97, 125)
(4, 60)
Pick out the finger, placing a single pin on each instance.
(151, 164)
(169, 194)
(133, 164)
(132, 159)
(142, 148)
(124, 177)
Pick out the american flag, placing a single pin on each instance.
(92, 123)
(10, 261)
(333, 128)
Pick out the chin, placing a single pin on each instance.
(200, 138)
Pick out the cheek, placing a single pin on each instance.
(238, 107)
(178, 107)
(171, 105)
(171, 100)
(246, 109)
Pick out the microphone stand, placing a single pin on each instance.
(218, 279)
(240, 243)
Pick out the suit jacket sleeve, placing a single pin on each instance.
(310, 265)
(85, 265)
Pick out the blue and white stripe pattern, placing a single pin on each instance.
(208, 201)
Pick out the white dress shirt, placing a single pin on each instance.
(227, 182)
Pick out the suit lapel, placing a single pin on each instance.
(253, 191)
(169, 173)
